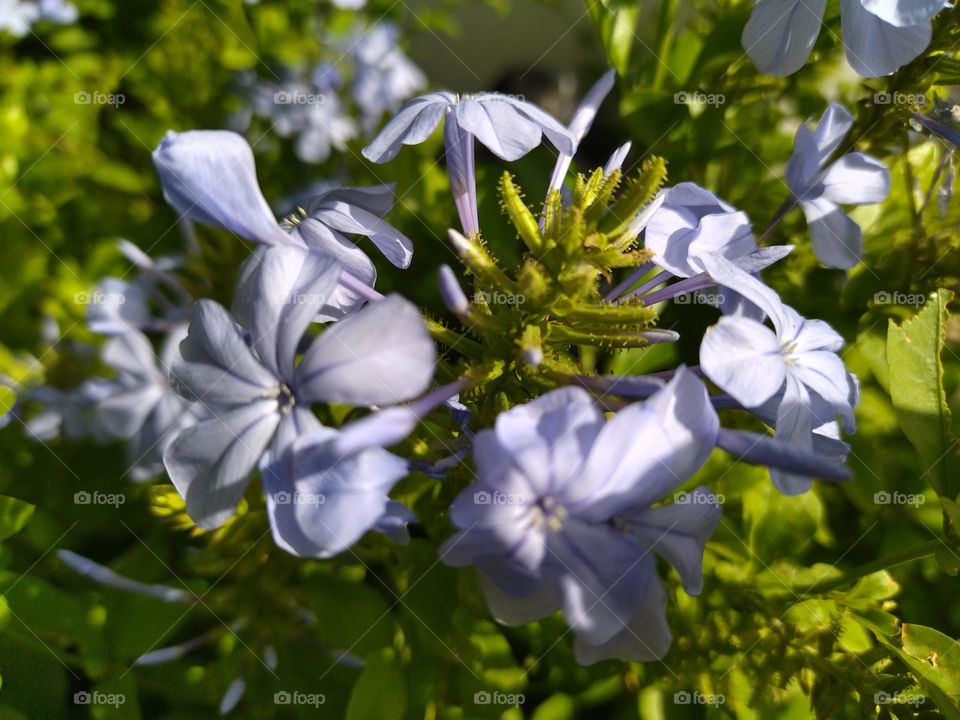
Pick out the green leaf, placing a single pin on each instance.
(616, 21)
(380, 692)
(916, 388)
(938, 653)
(13, 515)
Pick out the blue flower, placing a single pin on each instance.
(796, 365)
(142, 408)
(260, 397)
(819, 186)
(507, 126)
(210, 176)
(560, 515)
(880, 36)
(383, 76)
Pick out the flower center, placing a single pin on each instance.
(285, 399)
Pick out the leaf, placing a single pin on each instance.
(616, 21)
(916, 388)
(13, 515)
(380, 692)
(938, 653)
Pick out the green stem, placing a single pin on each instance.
(455, 340)
(904, 556)
(665, 35)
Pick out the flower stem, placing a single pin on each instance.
(904, 556)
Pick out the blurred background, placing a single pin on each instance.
(87, 90)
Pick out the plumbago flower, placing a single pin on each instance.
(819, 186)
(142, 408)
(880, 36)
(260, 397)
(210, 176)
(560, 516)
(507, 126)
(795, 366)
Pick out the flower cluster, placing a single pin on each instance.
(880, 36)
(325, 106)
(18, 17)
(313, 374)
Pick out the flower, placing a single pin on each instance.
(383, 77)
(880, 36)
(560, 515)
(691, 222)
(854, 179)
(260, 397)
(142, 407)
(210, 176)
(507, 126)
(796, 364)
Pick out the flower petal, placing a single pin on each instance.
(211, 464)
(742, 356)
(497, 124)
(210, 176)
(903, 13)
(837, 239)
(414, 122)
(382, 354)
(346, 218)
(856, 179)
(781, 33)
(876, 48)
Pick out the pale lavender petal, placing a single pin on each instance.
(876, 48)
(211, 464)
(837, 239)
(856, 179)
(742, 356)
(414, 122)
(210, 176)
(904, 13)
(781, 33)
(382, 354)
(497, 124)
